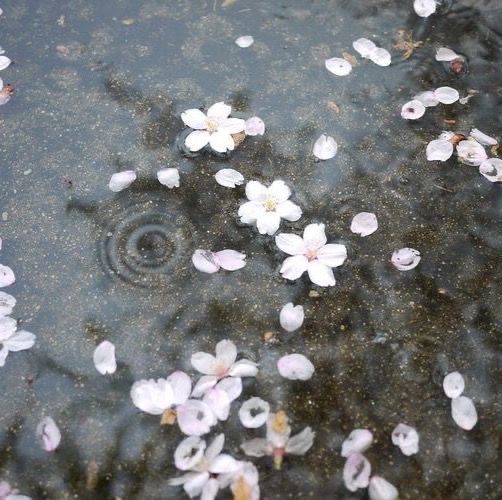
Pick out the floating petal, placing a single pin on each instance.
(229, 177)
(364, 224)
(405, 259)
(291, 317)
(121, 180)
(245, 41)
(464, 412)
(325, 147)
(453, 385)
(104, 358)
(295, 367)
(338, 66)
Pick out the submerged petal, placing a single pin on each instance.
(381, 489)
(104, 358)
(428, 99)
(325, 147)
(48, 434)
(406, 438)
(7, 303)
(464, 412)
(245, 41)
(381, 57)
(295, 367)
(364, 224)
(359, 440)
(229, 177)
(189, 452)
(291, 317)
(257, 447)
(254, 126)
(20, 341)
(364, 46)
(4, 62)
(491, 169)
(6, 276)
(424, 8)
(254, 413)
(338, 66)
(405, 259)
(169, 177)
(453, 385)
(121, 180)
(356, 472)
(300, 443)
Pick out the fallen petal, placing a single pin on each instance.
(121, 180)
(413, 110)
(453, 385)
(4, 62)
(447, 95)
(405, 259)
(104, 358)
(364, 46)
(381, 57)
(189, 452)
(464, 412)
(338, 66)
(439, 150)
(491, 169)
(406, 438)
(229, 177)
(230, 260)
(359, 440)
(295, 367)
(169, 177)
(7, 303)
(471, 152)
(205, 261)
(325, 147)
(254, 413)
(445, 54)
(364, 224)
(482, 138)
(424, 8)
(381, 489)
(48, 434)
(254, 126)
(356, 472)
(6, 276)
(244, 41)
(291, 317)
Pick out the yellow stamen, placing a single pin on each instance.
(280, 423)
(168, 417)
(241, 490)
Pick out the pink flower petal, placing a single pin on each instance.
(197, 140)
(7, 303)
(364, 46)
(295, 367)
(6, 276)
(406, 438)
(291, 244)
(446, 95)
(405, 259)
(471, 152)
(104, 358)
(189, 452)
(229, 177)
(194, 118)
(48, 434)
(219, 402)
(491, 169)
(293, 267)
(257, 447)
(464, 412)
(445, 54)
(428, 99)
(359, 440)
(381, 489)
(4, 62)
(424, 8)
(364, 224)
(325, 147)
(413, 110)
(291, 317)
(300, 443)
(254, 126)
(439, 150)
(205, 261)
(356, 472)
(453, 385)
(226, 353)
(195, 418)
(230, 260)
(169, 177)
(320, 273)
(381, 57)
(482, 138)
(244, 368)
(338, 66)
(152, 396)
(254, 413)
(181, 385)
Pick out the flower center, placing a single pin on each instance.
(270, 203)
(311, 254)
(212, 125)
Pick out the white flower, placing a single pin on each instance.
(445, 54)
(6, 492)
(364, 46)
(6, 276)
(406, 438)
(7, 303)
(338, 66)
(453, 385)
(356, 472)
(244, 41)
(405, 259)
(471, 152)
(229, 177)
(380, 56)
(267, 206)
(4, 62)
(169, 177)
(464, 412)
(491, 169)
(482, 138)
(104, 358)
(254, 126)
(121, 180)
(278, 441)
(203, 467)
(359, 440)
(325, 147)
(291, 317)
(364, 224)
(311, 254)
(424, 8)
(211, 262)
(380, 489)
(48, 434)
(12, 339)
(254, 413)
(295, 367)
(224, 364)
(439, 150)
(412, 110)
(215, 129)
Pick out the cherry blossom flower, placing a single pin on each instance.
(254, 413)
(364, 224)
(471, 152)
(439, 150)
(311, 254)
(359, 440)
(291, 317)
(405, 259)
(464, 412)
(104, 358)
(406, 438)
(295, 367)
(169, 177)
(215, 129)
(325, 147)
(7, 303)
(254, 126)
(267, 206)
(229, 177)
(203, 466)
(121, 180)
(424, 8)
(245, 41)
(446, 54)
(6, 492)
(338, 66)
(413, 110)
(4, 62)
(278, 441)
(6, 276)
(491, 169)
(48, 434)
(453, 385)
(356, 472)
(12, 339)
(217, 368)
(211, 262)
(380, 489)
(482, 138)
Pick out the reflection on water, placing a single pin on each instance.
(97, 95)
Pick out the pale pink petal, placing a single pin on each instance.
(219, 111)
(293, 267)
(291, 244)
(364, 224)
(338, 66)
(471, 153)
(254, 413)
(453, 385)
(244, 41)
(439, 150)
(194, 486)
(185, 478)
(181, 385)
(205, 363)
(254, 126)
(279, 191)
(359, 440)
(491, 169)
(257, 447)
(221, 142)
(364, 47)
(205, 383)
(3, 355)
(210, 490)
(300, 443)
(48, 434)
(218, 401)
(8, 326)
(195, 418)
(380, 56)
(321, 274)
(189, 452)
(104, 358)
(314, 236)
(6, 276)
(256, 191)
(121, 180)
(482, 138)
(215, 448)
(406, 438)
(205, 261)
(153, 397)
(4, 62)
(268, 223)
(424, 8)
(232, 126)
(169, 177)
(230, 260)
(223, 464)
(20, 341)
(229, 177)
(250, 211)
(232, 385)
(289, 211)
(291, 317)
(445, 54)
(244, 368)
(413, 110)
(226, 353)
(7, 303)
(446, 95)
(464, 412)
(295, 367)
(356, 472)
(325, 147)
(428, 99)
(380, 489)
(197, 139)
(194, 118)
(405, 259)
(332, 254)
